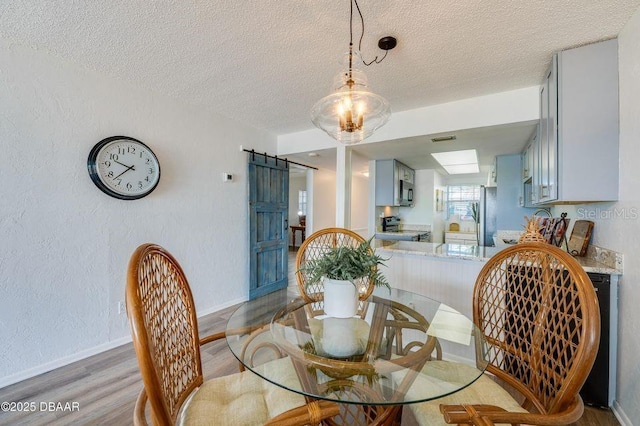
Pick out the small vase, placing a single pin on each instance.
(340, 298)
(339, 337)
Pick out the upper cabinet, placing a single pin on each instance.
(527, 157)
(575, 155)
(394, 183)
(405, 173)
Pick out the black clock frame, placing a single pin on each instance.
(93, 168)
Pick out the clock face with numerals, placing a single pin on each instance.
(123, 167)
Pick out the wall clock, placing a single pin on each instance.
(123, 167)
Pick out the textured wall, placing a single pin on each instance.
(65, 245)
(620, 229)
(617, 225)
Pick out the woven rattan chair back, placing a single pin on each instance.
(538, 311)
(165, 330)
(316, 245)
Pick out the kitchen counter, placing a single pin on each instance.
(473, 253)
(406, 236)
(461, 232)
(459, 251)
(448, 272)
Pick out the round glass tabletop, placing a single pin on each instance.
(400, 348)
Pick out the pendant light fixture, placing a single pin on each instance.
(352, 112)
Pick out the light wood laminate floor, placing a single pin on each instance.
(105, 386)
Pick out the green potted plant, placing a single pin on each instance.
(339, 269)
(475, 214)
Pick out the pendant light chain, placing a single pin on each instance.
(352, 112)
(374, 60)
(351, 39)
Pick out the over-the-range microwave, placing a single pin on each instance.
(406, 193)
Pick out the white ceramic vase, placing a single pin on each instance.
(340, 298)
(339, 337)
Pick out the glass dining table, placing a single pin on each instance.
(401, 348)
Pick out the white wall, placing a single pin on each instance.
(617, 225)
(322, 199)
(515, 106)
(321, 193)
(422, 211)
(437, 228)
(359, 204)
(65, 245)
(509, 190)
(296, 183)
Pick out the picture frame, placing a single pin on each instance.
(439, 200)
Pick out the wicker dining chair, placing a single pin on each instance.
(538, 312)
(316, 245)
(164, 328)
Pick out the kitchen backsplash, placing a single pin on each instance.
(606, 257)
(609, 258)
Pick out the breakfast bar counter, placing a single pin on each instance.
(448, 272)
(475, 253)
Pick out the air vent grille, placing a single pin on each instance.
(444, 138)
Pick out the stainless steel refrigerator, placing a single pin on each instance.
(487, 215)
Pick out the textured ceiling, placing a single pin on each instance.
(267, 61)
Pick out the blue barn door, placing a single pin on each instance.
(268, 224)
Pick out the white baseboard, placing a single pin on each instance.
(61, 362)
(620, 414)
(217, 308)
(86, 353)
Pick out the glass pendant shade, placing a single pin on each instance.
(352, 112)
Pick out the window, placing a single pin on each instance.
(302, 203)
(460, 199)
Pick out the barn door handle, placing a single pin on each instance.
(286, 224)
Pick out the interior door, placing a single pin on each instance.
(268, 224)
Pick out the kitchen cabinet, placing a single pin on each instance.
(468, 238)
(527, 157)
(575, 158)
(405, 173)
(526, 199)
(394, 183)
(546, 167)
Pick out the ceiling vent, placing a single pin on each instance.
(444, 138)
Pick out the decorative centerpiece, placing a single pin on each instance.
(341, 270)
(532, 232)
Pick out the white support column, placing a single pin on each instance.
(343, 187)
(310, 205)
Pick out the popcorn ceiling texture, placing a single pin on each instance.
(246, 59)
(71, 75)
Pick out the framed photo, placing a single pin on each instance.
(439, 200)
